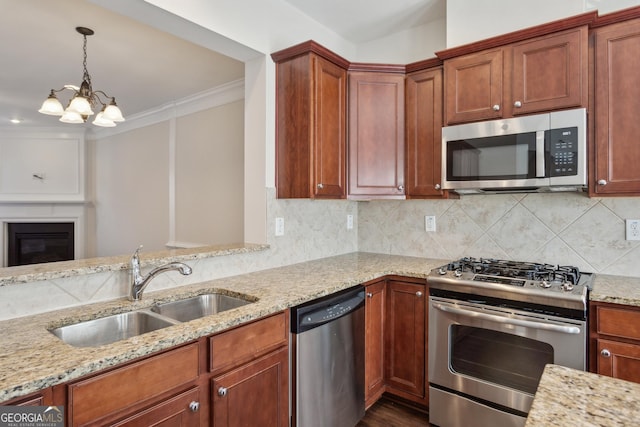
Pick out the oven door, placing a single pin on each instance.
(496, 354)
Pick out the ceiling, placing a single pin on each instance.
(142, 67)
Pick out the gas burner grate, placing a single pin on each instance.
(516, 269)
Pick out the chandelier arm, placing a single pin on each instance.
(99, 92)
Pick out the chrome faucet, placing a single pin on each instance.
(140, 282)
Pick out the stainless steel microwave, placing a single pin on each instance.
(542, 152)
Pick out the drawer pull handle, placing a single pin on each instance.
(320, 186)
(517, 104)
(496, 107)
(369, 295)
(194, 406)
(605, 353)
(418, 294)
(437, 186)
(602, 182)
(222, 392)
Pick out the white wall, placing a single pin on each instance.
(470, 21)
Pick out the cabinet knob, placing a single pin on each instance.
(437, 186)
(320, 186)
(496, 107)
(194, 406)
(401, 187)
(369, 295)
(517, 104)
(222, 392)
(418, 294)
(602, 182)
(605, 353)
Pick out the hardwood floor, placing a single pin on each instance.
(385, 413)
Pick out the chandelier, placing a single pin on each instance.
(84, 99)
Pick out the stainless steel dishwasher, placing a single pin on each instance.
(327, 378)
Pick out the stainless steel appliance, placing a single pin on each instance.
(493, 325)
(328, 363)
(542, 152)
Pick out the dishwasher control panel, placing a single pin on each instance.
(323, 310)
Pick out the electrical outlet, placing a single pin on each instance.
(279, 226)
(633, 229)
(349, 222)
(430, 223)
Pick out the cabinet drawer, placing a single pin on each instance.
(247, 342)
(618, 322)
(115, 392)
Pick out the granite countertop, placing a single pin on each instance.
(568, 397)
(616, 289)
(31, 358)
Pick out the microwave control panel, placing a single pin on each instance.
(562, 149)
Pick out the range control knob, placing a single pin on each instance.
(567, 286)
(545, 284)
(442, 271)
(457, 273)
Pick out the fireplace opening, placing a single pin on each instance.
(37, 242)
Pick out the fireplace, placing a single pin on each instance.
(37, 242)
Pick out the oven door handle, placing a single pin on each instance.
(508, 321)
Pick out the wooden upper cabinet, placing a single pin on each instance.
(536, 75)
(473, 86)
(550, 72)
(376, 135)
(311, 96)
(423, 123)
(614, 169)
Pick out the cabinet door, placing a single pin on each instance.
(619, 360)
(180, 411)
(330, 140)
(550, 73)
(310, 128)
(424, 134)
(256, 394)
(617, 101)
(374, 314)
(376, 135)
(473, 86)
(406, 339)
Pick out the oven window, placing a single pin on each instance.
(499, 357)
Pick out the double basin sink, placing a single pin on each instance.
(107, 330)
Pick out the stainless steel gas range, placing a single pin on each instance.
(493, 326)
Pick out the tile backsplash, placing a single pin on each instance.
(562, 228)
(557, 228)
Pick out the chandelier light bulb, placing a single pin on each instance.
(71, 117)
(52, 106)
(112, 112)
(102, 121)
(80, 105)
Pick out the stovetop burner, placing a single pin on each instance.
(539, 283)
(516, 269)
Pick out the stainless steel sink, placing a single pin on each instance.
(200, 306)
(107, 330)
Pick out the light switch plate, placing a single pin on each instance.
(430, 223)
(349, 222)
(279, 227)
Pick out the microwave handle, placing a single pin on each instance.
(540, 154)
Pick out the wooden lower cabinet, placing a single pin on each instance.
(405, 340)
(374, 314)
(615, 341)
(396, 340)
(256, 394)
(140, 393)
(180, 410)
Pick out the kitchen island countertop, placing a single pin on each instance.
(568, 397)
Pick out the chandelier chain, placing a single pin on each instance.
(85, 75)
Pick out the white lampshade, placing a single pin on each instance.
(102, 121)
(80, 105)
(52, 106)
(113, 113)
(71, 117)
